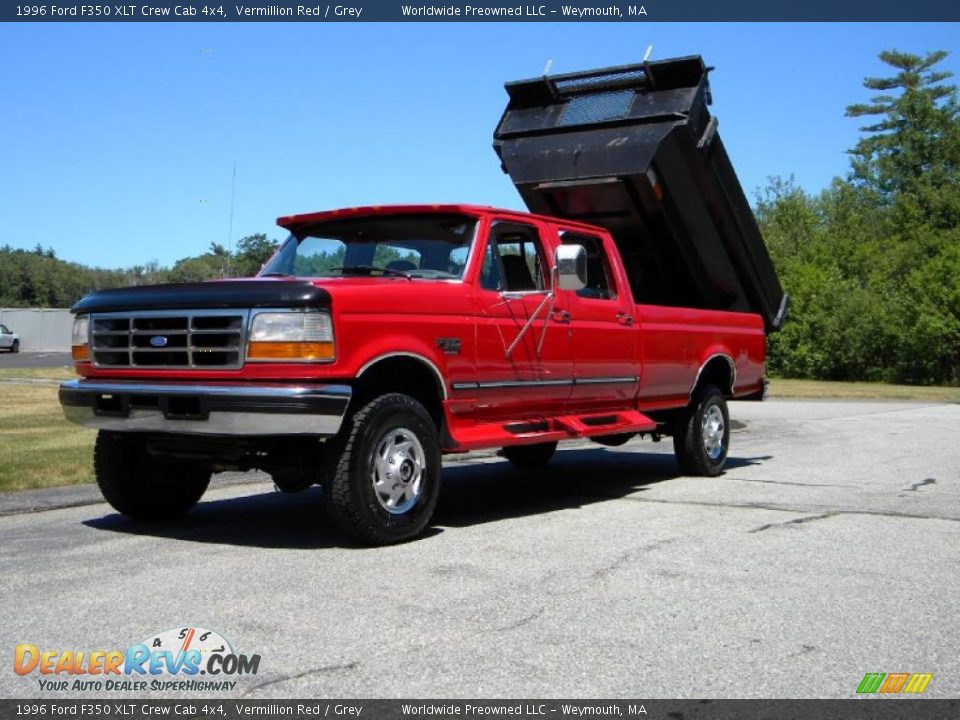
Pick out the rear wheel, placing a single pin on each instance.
(530, 456)
(383, 472)
(15, 348)
(701, 436)
(142, 486)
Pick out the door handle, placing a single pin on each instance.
(624, 319)
(560, 316)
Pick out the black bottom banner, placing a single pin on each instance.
(855, 709)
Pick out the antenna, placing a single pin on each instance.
(233, 194)
(546, 68)
(646, 55)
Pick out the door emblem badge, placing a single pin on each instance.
(449, 345)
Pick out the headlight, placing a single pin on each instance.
(291, 336)
(78, 339)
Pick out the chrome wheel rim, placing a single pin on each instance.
(713, 429)
(398, 469)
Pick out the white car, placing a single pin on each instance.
(9, 341)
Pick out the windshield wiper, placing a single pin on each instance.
(372, 268)
(273, 273)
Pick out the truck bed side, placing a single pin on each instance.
(678, 344)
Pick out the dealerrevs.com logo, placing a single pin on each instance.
(170, 660)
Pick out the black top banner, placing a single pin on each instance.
(485, 11)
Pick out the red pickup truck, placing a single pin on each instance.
(378, 338)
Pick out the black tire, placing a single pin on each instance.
(613, 440)
(353, 503)
(527, 457)
(697, 453)
(15, 348)
(141, 486)
(292, 481)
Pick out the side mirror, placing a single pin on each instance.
(571, 266)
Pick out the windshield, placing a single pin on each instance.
(413, 246)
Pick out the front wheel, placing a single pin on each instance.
(383, 477)
(15, 348)
(701, 437)
(141, 486)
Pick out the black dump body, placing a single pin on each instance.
(634, 149)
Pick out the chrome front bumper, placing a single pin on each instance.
(205, 409)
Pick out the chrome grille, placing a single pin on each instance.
(204, 339)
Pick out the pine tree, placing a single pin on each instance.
(913, 148)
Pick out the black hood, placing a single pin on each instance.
(228, 294)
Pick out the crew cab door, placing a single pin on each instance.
(524, 362)
(6, 337)
(605, 336)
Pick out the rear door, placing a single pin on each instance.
(6, 337)
(605, 336)
(524, 361)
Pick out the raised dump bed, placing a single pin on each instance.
(634, 149)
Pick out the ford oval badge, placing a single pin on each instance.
(158, 341)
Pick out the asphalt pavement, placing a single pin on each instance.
(830, 548)
(35, 360)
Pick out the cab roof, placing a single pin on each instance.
(296, 222)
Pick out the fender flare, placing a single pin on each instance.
(703, 365)
(441, 384)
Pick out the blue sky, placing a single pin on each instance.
(120, 139)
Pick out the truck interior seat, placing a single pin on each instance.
(517, 273)
(401, 265)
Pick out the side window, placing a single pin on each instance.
(513, 260)
(600, 284)
(3, 330)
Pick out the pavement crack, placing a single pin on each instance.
(625, 557)
(522, 621)
(795, 521)
(788, 508)
(917, 485)
(784, 482)
(315, 671)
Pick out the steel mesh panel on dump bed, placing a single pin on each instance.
(596, 107)
(598, 81)
(635, 150)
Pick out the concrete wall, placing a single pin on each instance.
(40, 329)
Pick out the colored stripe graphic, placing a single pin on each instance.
(188, 640)
(918, 682)
(894, 682)
(870, 683)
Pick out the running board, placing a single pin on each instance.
(550, 429)
(609, 424)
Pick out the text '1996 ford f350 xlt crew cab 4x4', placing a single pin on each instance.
(634, 300)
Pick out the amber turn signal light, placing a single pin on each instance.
(80, 353)
(310, 351)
